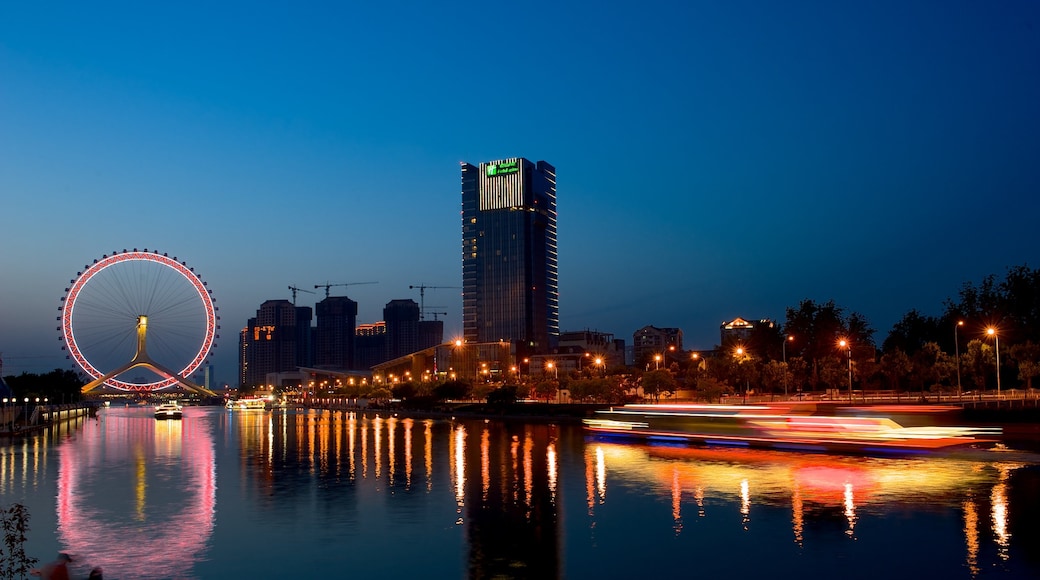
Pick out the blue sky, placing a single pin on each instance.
(714, 160)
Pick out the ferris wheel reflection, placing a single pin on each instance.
(166, 470)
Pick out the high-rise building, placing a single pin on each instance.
(270, 342)
(334, 335)
(431, 333)
(402, 328)
(369, 345)
(509, 262)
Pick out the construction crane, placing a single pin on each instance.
(327, 285)
(422, 294)
(295, 290)
(436, 313)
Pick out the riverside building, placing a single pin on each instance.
(509, 262)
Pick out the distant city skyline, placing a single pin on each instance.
(719, 160)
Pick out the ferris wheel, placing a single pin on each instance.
(118, 301)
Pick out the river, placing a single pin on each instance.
(228, 494)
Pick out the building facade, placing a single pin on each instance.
(370, 345)
(334, 335)
(402, 328)
(593, 345)
(650, 342)
(509, 255)
(740, 330)
(270, 342)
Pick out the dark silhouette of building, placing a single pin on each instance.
(509, 260)
(740, 330)
(275, 341)
(402, 328)
(369, 345)
(334, 335)
(592, 345)
(431, 333)
(650, 341)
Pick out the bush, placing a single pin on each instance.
(14, 563)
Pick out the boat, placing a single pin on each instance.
(249, 404)
(168, 410)
(783, 428)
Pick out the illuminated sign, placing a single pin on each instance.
(494, 169)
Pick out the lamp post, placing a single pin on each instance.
(657, 362)
(996, 342)
(957, 355)
(747, 381)
(848, 346)
(25, 415)
(556, 375)
(5, 413)
(787, 337)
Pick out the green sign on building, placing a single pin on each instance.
(494, 169)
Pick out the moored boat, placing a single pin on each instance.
(248, 404)
(169, 410)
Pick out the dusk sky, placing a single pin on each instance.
(714, 159)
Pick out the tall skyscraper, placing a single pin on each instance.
(509, 263)
(334, 336)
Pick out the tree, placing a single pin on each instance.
(405, 390)
(979, 361)
(14, 563)
(711, 390)
(57, 386)
(656, 382)
(912, 332)
(930, 367)
(451, 390)
(1027, 356)
(818, 328)
(776, 375)
(504, 395)
(895, 366)
(545, 390)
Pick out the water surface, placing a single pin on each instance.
(287, 494)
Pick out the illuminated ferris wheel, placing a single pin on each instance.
(138, 311)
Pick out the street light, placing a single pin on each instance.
(847, 345)
(747, 381)
(556, 374)
(957, 355)
(996, 341)
(657, 362)
(598, 361)
(554, 369)
(787, 338)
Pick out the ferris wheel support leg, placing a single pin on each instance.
(155, 368)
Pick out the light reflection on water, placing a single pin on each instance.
(394, 496)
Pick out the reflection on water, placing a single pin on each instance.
(812, 485)
(168, 472)
(398, 497)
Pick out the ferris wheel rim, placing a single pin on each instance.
(189, 275)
